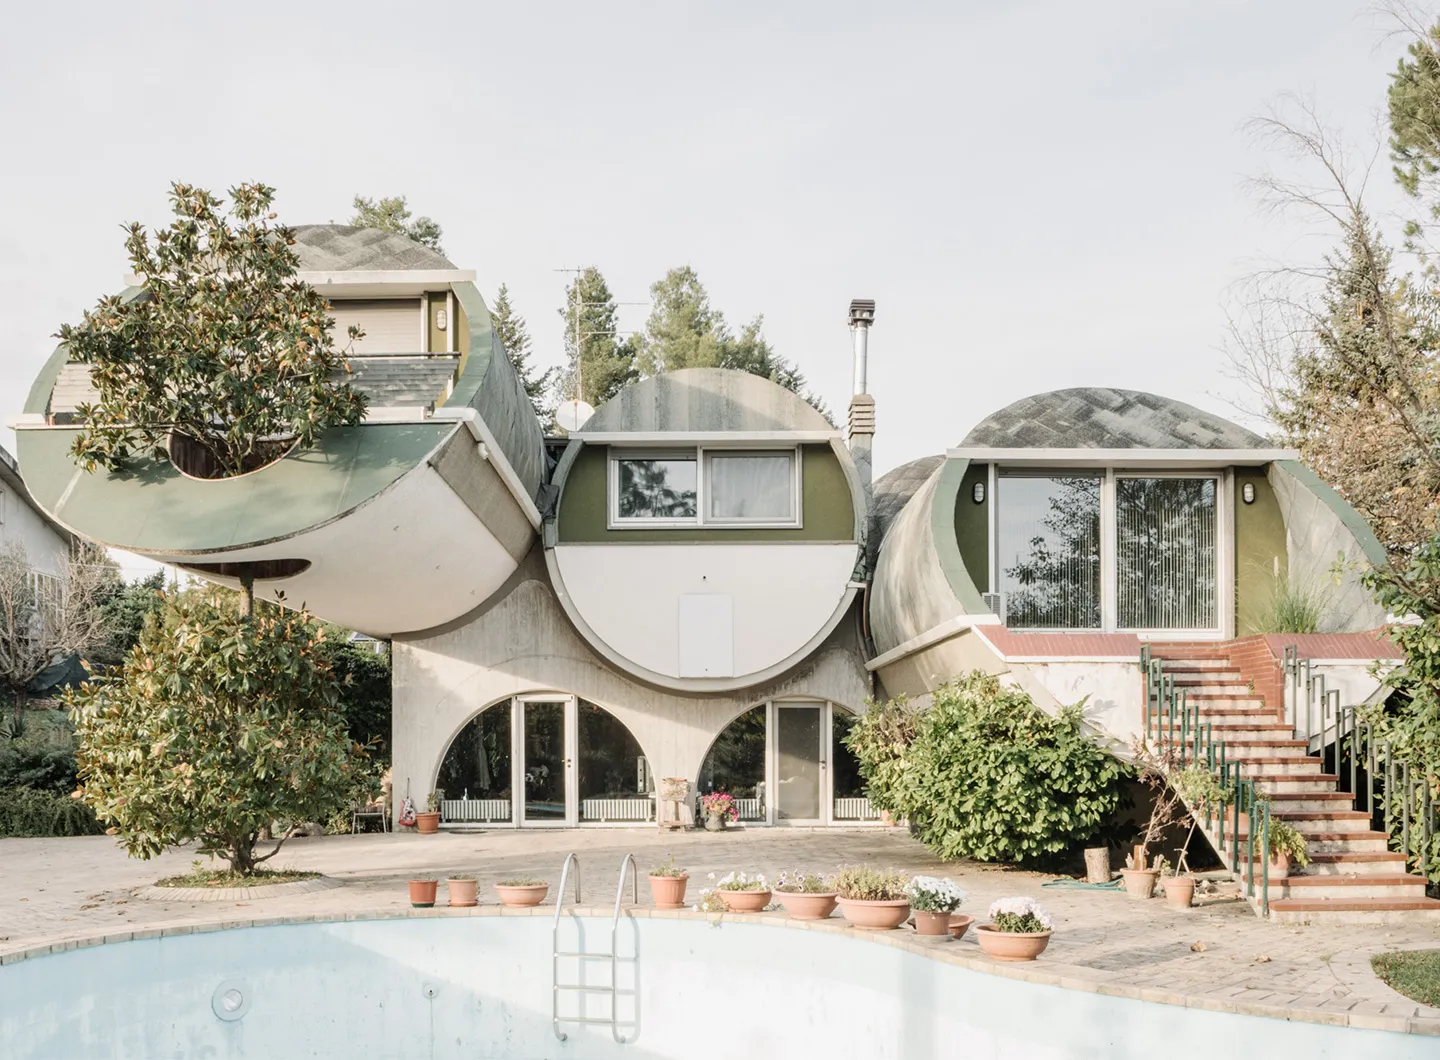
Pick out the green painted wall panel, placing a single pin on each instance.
(439, 340)
(972, 525)
(1260, 558)
(828, 513)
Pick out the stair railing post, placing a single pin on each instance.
(1405, 811)
(1184, 727)
(1265, 863)
(1235, 824)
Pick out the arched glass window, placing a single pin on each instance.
(475, 775)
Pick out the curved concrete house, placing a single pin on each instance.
(1070, 527)
(692, 612)
(410, 519)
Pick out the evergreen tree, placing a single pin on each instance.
(515, 337)
(606, 364)
(392, 215)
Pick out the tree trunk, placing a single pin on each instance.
(247, 596)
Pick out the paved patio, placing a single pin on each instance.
(1218, 956)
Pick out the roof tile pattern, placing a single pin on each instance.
(346, 248)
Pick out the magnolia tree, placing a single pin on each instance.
(226, 350)
(218, 728)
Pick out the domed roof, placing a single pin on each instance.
(691, 400)
(349, 248)
(1106, 418)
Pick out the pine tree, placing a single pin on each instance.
(515, 337)
(606, 363)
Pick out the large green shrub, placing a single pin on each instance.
(31, 813)
(983, 773)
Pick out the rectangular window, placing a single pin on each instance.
(1049, 535)
(656, 488)
(746, 487)
(1165, 543)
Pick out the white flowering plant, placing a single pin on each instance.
(740, 881)
(805, 883)
(709, 902)
(931, 894)
(1023, 916)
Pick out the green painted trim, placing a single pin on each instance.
(477, 346)
(950, 479)
(972, 524)
(1353, 520)
(1259, 543)
(583, 509)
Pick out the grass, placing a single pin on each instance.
(1414, 973)
(226, 878)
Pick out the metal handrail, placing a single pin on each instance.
(613, 956)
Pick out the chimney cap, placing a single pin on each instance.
(862, 311)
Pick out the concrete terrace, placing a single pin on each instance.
(62, 891)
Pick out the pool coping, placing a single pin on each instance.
(1043, 973)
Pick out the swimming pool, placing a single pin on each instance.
(439, 987)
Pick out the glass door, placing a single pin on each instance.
(546, 760)
(1165, 552)
(799, 758)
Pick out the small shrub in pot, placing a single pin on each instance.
(933, 899)
(873, 899)
(667, 884)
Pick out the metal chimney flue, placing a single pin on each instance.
(861, 422)
(862, 315)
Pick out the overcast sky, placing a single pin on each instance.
(1036, 194)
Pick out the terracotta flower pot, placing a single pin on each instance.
(1179, 891)
(1011, 945)
(928, 923)
(1280, 867)
(669, 891)
(462, 892)
(875, 916)
(744, 901)
(808, 906)
(715, 822)
(522, 897)
(959, 924)
(427, 823)
(1140, 883)
(422, 893)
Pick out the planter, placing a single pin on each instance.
(1280, 867)
(422, 893)
(669, 891)
(744, 901)
(715, 822)
(807, 906)
(462, 892)
(1179, 891)
(875, 916)
(928, 923)
(522, 897)
(427, 823)
(1011, 945)
(959, 924)
(1140, 883)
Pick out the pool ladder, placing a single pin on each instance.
(611, 989)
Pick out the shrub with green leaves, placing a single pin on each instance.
(31, 813)
(983, 773)
(865, 883)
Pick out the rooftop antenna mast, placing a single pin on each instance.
(572, 414)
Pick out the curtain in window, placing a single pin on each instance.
(1050, 550)
(750, 486)
(1165, 540)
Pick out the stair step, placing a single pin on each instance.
(1214, 688)
(1289, 783)
(1325, 820)
(1355, 910)
(1217, 662)
(1350, 887)
(1297, 762)
(1379, 862)
(1206, 699)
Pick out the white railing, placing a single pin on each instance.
(750, 809)
(475, 809)
(626, 808)
(855, 809)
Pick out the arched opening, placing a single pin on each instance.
(785, 762)
(546, 759)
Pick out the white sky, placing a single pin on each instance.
(1037, 194)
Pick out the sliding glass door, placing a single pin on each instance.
(1165, 539)
(1049, 533)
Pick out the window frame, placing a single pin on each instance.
(701, 454)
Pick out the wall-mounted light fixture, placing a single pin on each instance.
(1247, 493)
(441, 319)
(977, 492)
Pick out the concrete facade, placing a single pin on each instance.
(22, 522)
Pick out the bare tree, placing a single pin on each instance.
(45, 618)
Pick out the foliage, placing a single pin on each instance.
(1200, 788)
(32, 812)
(669, 868)
(367, 788)
(36, 756)
(605, 363)
(1020, 915)
(260, 366)
(126, 608)
(983, 773)
(1293, 607)
(519, 881)
(1154, 768)
(931, 894)
(805, 883)
(1285, 839)
(1414, 112)
(739, 881)
(365, 690)
(865, 883)
(45, 617)
(216, 729)
(515, 337)
(199, 876)
(719, 803)
(392, 215)
(433, 800)
(1414, 973)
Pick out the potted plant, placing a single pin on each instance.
(462, 890)
(1286, 846)
(743, 893)
(806, 895)
(1154, 769)
(933, 900)
(522, 893)
(1019, 930)
(873, 899)
(718, 809)
(428, 823)
(1140, 877)
(422, 893)
(1179, 891)
(667, 884)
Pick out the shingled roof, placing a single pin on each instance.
(347, 248)
(1106, 418)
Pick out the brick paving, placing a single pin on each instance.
(1216, 956)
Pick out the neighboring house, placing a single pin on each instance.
(45, 541)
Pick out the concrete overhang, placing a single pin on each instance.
(1125, 458)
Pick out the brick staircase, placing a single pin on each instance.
(1353, 876)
